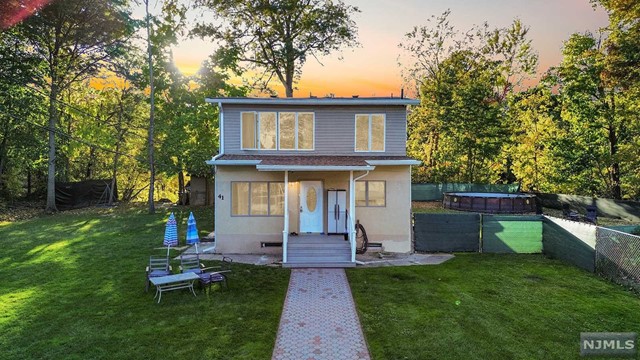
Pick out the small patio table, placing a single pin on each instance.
(174, 282)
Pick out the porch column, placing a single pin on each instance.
(352, 216)
(285, 232)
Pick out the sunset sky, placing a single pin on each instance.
(372, 69)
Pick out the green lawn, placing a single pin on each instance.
(72, 287)
(481, 306)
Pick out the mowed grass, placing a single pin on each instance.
(72, 287)
(487, 306)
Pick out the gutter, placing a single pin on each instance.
(366, 168)
(221, 127)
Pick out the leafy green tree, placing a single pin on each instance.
(536, 134)
(460, 128)
(74, 38)
(275, 38)
(593, 108)
(19, 143)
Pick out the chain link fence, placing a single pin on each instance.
(618, 257)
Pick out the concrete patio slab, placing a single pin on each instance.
(370, 259)
(384, 259)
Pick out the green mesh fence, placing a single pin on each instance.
(629, 229)
(569, 241)
(470, 232)
(447, 232)
(431, 192)
(512, 234)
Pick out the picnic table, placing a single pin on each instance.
(174, 282)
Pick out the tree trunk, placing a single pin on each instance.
(288, 86)
(152, 208)
(182, 196)
(51, 174)
(114, 173)
(28, 182)
(288, 89)
(90, 163)
(3, 154)
(616, 191)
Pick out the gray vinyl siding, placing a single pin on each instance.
(334, 129)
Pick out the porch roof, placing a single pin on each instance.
(311, 162)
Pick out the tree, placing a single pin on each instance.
(623, 43)
(536, 134)
(19, 144)
(152, 96)
(275, 38)
(594, 108)
(463, 80)
(73, 38)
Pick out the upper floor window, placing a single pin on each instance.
(370, 131)
(295, 131)
(259, 130)
(271, 131)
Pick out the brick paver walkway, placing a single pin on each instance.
(319, 319)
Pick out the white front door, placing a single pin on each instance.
(311, 206)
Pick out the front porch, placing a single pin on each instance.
(312, 248)
(318, 250)
(259, 207)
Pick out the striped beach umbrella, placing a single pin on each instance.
(170, 233)
(192, 232)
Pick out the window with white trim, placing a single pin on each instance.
(371, 193)
(282, 131)
(295, 131)
(370, 132)
(257, 198)
(259, 130)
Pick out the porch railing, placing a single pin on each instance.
(352, 235)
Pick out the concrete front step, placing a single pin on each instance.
(340, 264)
(318, 251)
(317, 242)
(319, 257)
(336, 247)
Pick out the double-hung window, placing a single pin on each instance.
(296, 131)
(259, 130)
(370, 132)
(371, 193)
(257, 198)
(282, 131)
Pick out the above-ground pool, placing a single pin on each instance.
(497, 203)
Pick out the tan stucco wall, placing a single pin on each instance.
(243, 234)
(389, 225)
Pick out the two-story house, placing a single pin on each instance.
(299, 172)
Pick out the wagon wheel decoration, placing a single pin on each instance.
(361, 239)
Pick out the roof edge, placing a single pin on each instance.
(233, 162)
(315, 101)
(394, 162)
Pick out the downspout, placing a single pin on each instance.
(285, 232)
(215, 167)
(352, 208)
